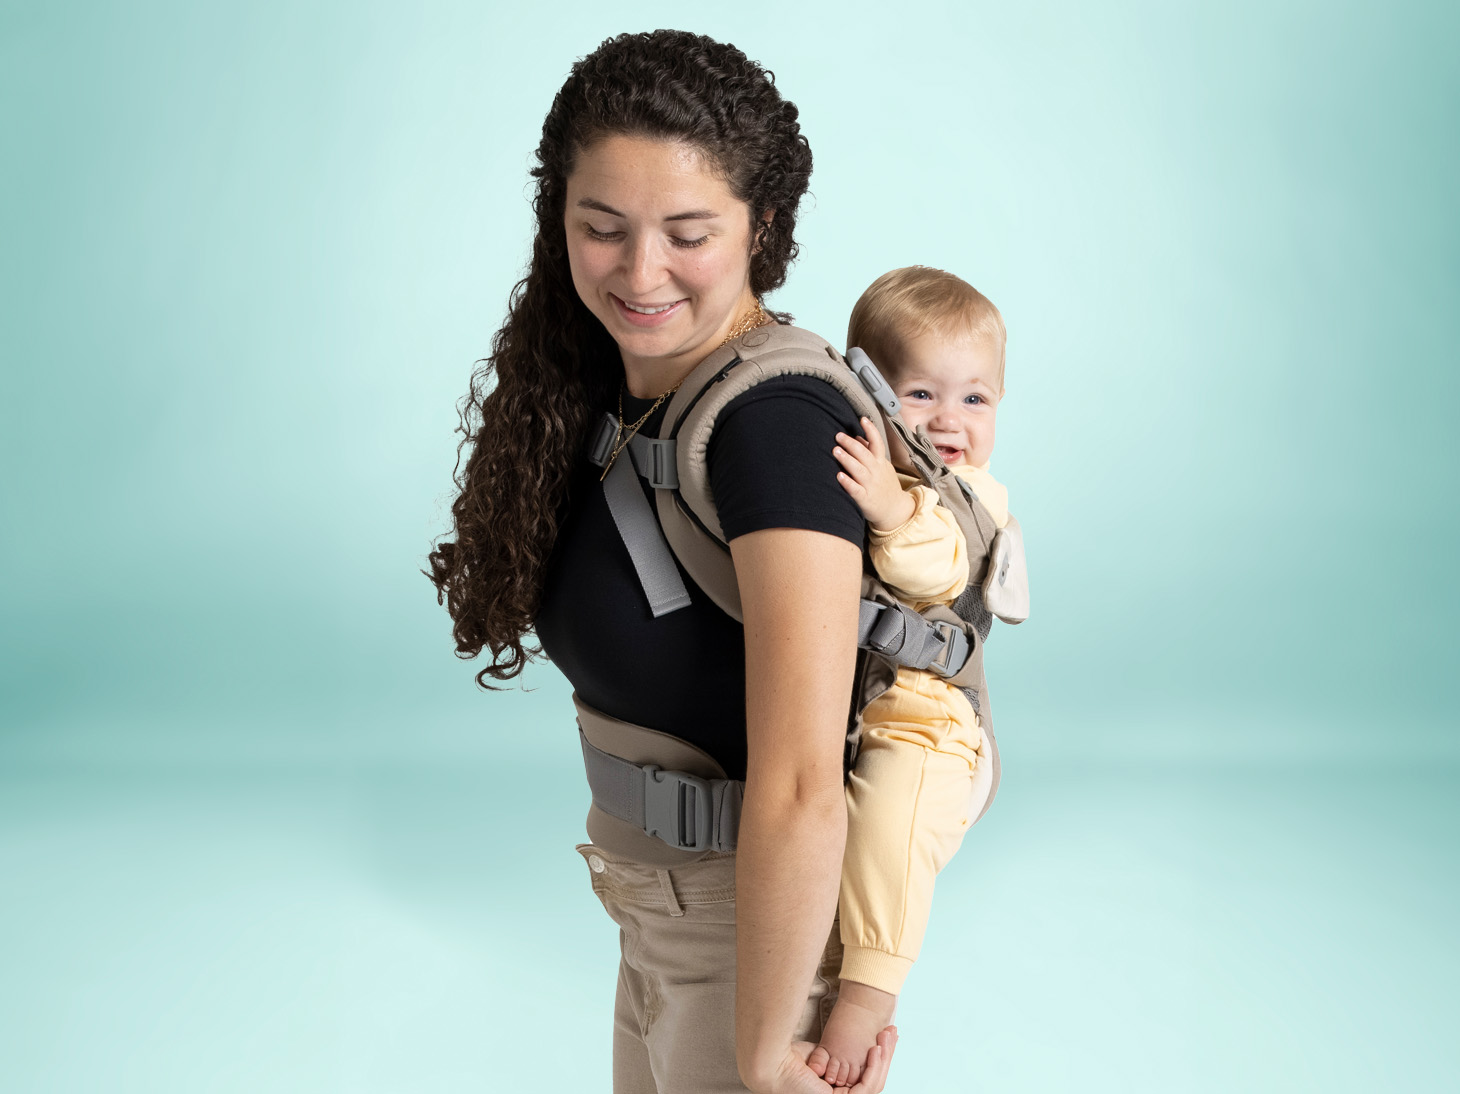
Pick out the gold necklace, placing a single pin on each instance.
(620, 441)
(748, 322)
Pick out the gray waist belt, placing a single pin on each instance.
(685, 811)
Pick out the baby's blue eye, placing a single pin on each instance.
(974, 399)
(918, 394)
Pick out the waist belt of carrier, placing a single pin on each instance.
(685, 811)
(895, 631)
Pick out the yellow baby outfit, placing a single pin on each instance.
(922, 769)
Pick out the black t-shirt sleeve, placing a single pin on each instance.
(771, 463)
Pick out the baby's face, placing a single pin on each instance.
(949, 386)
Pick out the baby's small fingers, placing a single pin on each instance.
(873, 440)
(855, 462)
(857, 449)
(851, 485)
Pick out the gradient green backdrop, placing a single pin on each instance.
(258, 832)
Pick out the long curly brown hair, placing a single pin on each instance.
(524, 420)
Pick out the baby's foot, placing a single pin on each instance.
(861, 1012)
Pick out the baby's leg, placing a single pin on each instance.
(907, 810)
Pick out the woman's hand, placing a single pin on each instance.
(869, 477)
(796, 1078)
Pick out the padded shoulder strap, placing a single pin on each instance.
(688, 515)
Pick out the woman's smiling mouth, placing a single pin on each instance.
(645, 315)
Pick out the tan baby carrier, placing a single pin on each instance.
(661, 799)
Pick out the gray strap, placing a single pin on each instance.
(640, 531)
(685, 811)
(899, 633)
(637, 525)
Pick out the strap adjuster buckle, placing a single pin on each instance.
(955, 649)
(677, 808)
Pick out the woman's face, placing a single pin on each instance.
(660, 252)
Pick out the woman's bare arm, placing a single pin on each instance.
(799, 594)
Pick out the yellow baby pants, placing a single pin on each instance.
(921, 777)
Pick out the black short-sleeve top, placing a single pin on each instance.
(771, 466)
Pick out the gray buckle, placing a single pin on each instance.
(654, 460)
(600, 444)
(955, 649)
(872, 380)
(677, 808)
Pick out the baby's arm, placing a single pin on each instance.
(917, 547)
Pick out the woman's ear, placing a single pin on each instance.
(765, 223)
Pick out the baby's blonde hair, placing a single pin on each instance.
(905, 303)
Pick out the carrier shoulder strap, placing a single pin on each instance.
(688, 516)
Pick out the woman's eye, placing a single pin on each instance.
(688, 242)
(596, 234)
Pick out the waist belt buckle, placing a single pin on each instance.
(955, 649)
(677, 808)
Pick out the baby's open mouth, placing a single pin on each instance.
(948, 452)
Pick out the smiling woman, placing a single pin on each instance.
(668, 180)
(658, 246)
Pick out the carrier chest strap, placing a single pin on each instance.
(685, 811)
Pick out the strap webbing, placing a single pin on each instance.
(903, 635)
(632, 514)
(640, 531)
(685, 811)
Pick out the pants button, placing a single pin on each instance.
(596, 864)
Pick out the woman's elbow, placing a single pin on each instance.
(815, 790)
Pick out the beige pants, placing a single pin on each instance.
(674, 1016)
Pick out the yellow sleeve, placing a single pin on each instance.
(925, 560)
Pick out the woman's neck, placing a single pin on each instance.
(650, 379)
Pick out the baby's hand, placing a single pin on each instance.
(869, 477)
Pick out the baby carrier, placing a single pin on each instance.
(663, 799)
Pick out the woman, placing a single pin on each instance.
(670, 171)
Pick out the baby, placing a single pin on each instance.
(940, 344)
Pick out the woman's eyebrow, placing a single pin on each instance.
(695, 214)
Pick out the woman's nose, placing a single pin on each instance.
(642, 264)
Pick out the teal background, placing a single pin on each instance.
(259, 832)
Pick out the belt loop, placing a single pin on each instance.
(670, 900)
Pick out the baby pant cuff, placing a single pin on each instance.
(875, 968)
